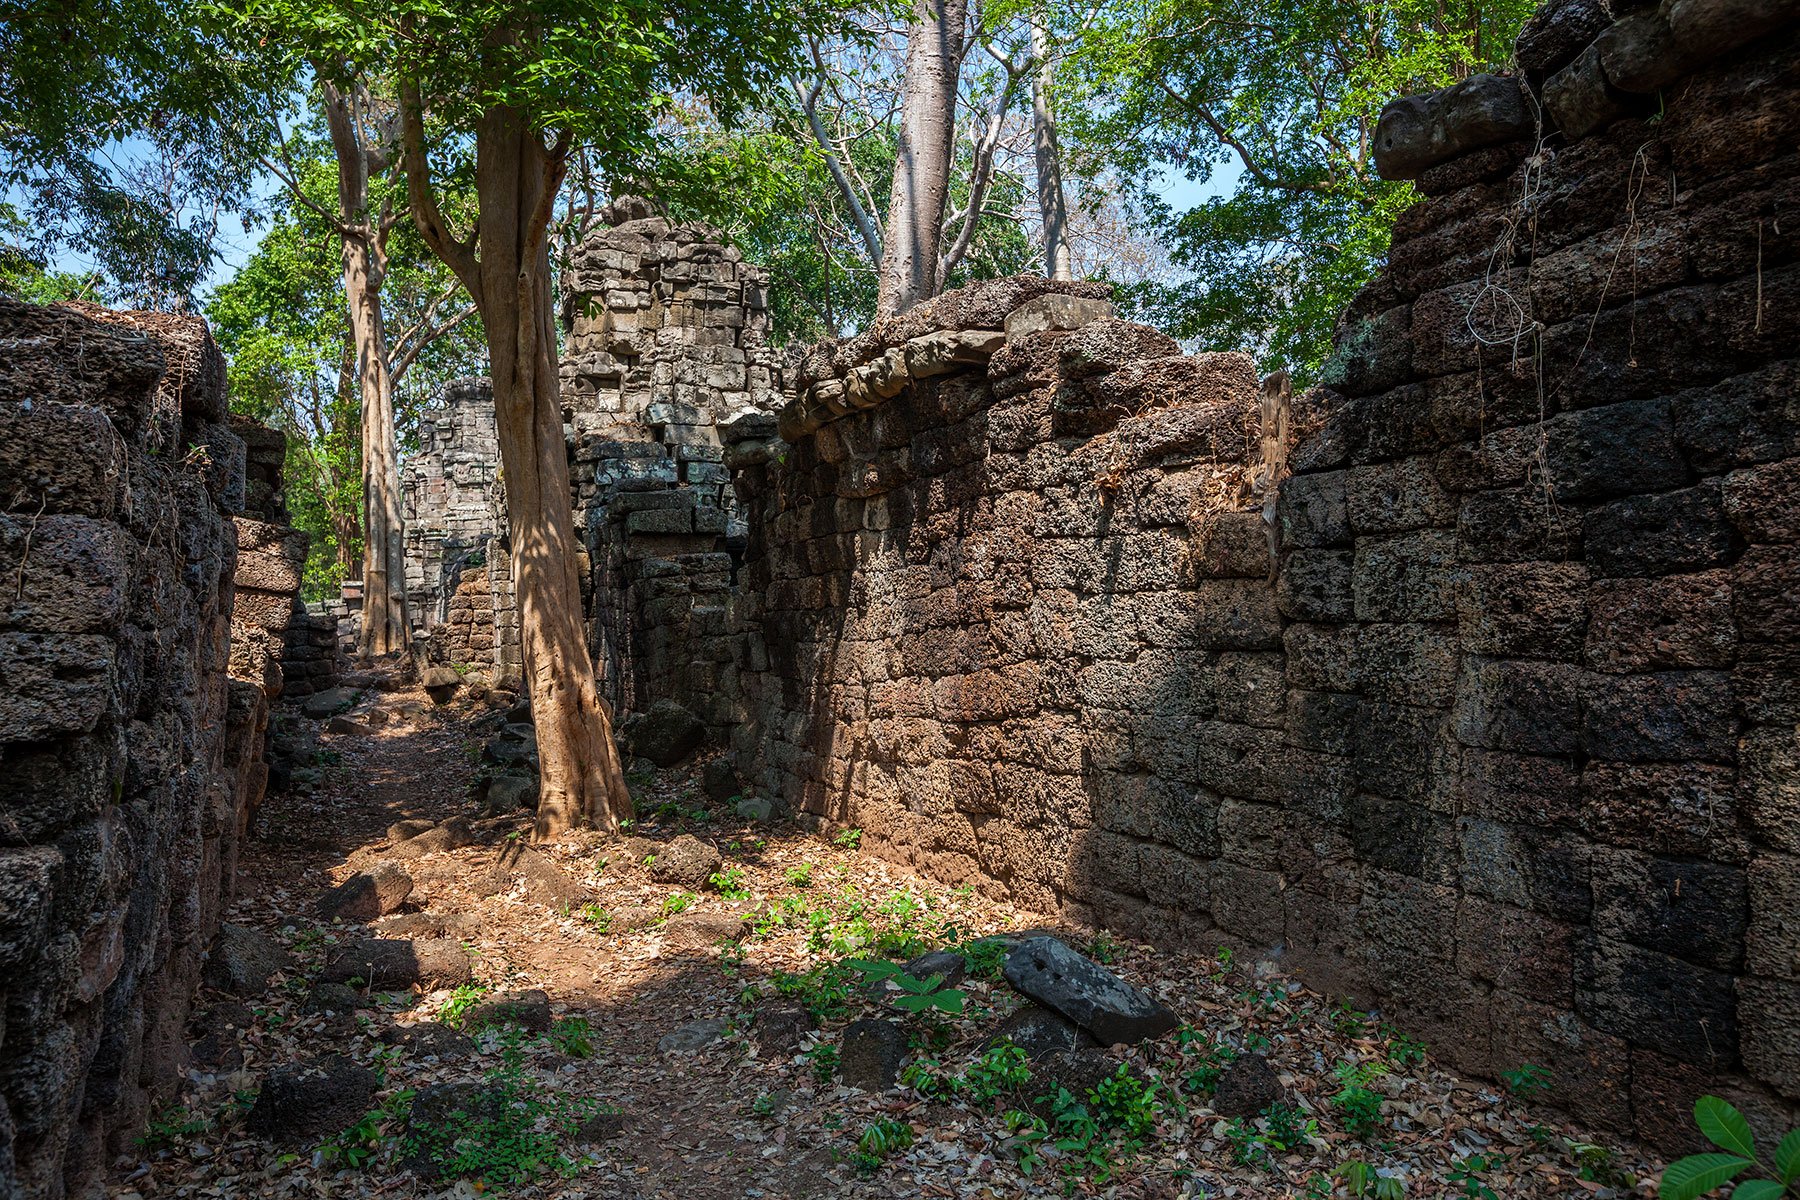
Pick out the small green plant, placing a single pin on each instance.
(1526, 1081)
(360, 1144)
(574, 1036)
(1466, 1174)
(983, 958)
(1402, 1051)
(1348, 1022)
(881, 1139)
(1726, 1128)
(916, 995)
(1359, 1107)
(824, 991)
(800, 876)
(1595, 1164)
(1126, 1102)
(1103, 949)
(677, 902)
(1281, 1128)
(849, 839)
(729, 883)
(465, 997)
(1002, 1069)
(927, 1077)
(1361, 1180)
(763, 1106)
(168, 1127)
(823, 1059)
(595, 914)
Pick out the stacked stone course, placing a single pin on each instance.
(130, 758)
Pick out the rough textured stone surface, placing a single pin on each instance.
(133, 713)
(665, 734)
(1086, 993)
(241, 961)
(1246, 1087)
(686, 862)
(399, 963)
(367, 895)
(870, 1055)
(308, 1101)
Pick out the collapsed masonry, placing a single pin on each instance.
(133, 711)
(1489, 718)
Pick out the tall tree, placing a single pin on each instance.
(935, 45)
(1274, 106)
(518, 84)
(1053, 205)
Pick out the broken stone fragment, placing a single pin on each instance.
(779, 1031)
(665, 734)
(951, 350)
(685, 862)
(1056, 310)
(305, 1101)
(367, 895)
(695, 1035)
(1246, 1087)
(242, 960)
(528, 1010)
(1416, 132)
(1086, 992)
(395, 962)
(870, 1055)
(1040, 1032)
(1581, 100)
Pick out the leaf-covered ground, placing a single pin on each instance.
(593, 1108)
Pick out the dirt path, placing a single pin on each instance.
(604, 956)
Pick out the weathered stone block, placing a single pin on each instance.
(1315, 585)
(1545, 870)
(1679, 808)
(1650, 999)
(1412, 577)
(1517, 950)
(1664, 534)
(1769, 786)
(1517, 525)
(1524, 707)
(1669, 716)
(1769, 1010)
(1695, 911)
(1772, 936)
(1398, 497)
(1313, 510)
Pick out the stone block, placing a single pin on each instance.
(1759, 501)
(1315, 585)
(1664, 534)
(1406, 752)
(1313, 510)
(1693, 910)
(1772, 936)
(1769, 1010)
(1516, 950)
(1518, 525)
(1523, 610)
(53, 684)
(1421, 131)
(1657, 1001)
(1412, 577)
(1678, 808)
(1668, 716)
(1401, 837)
(1398, 497)
(1769, 786)
(1519, 706)
(1590, 1071)
(1764, 584)
(1248, 903)
(1545, 870)
(1410, 664)
(1654, 624)
(67, 574)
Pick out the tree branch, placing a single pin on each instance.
(459, 256)
(867, 227)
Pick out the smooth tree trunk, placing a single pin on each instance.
(910, 247)
(1052, 206)
(385, 627)
(581, 781)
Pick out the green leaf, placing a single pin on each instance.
(1724, 1126)
(1787, 1157)
(1759, 1189)
(1698, 1174)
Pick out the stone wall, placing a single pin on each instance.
(130, 759)
(1502, 737)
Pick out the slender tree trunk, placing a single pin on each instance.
(580, 778)
(909, 252)
(385, 628)
(1051, 204)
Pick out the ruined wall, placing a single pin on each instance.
(128, 758)
(1506, 742)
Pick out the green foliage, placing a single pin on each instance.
(1359, 1107)
(1402, 1051)
(678, 902)
(359, 1145)
(168, 1127)
(1002, 1069)
(462, 999)
(1362, 1180)
(514, 1134)
(574, 1036)
(983, 958)
(729, 883)
(1103, 949)
(849, 839)
(1725, 1127)
(800, 876)
(916, 995)
(1125, 1102)
(1275, 107)
(824, 991)
(823, 1058)
(1466, 1174)
(595, 914)
(1280, 1129)
(1527, 1080)
(880, 1139)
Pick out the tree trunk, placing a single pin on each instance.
(580, 780)
(1051, 205)
(385, 629)
(909, 252)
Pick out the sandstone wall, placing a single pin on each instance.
(1502, 738)
(128, 759)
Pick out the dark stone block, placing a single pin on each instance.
(1693, 910)
(1406, 752)
(1764, 587)
(1412, 577)
(1516, 949)
(1523, 610)
(1678, 808)
(1670, 716)
(1752, 418)
(1313, 510)
(1314, 585)
(1657, 1001)
(1664, 534)
(1405, 838)
(1544, 870)
(1614, 450)
(1525, 707)
(1516, 525)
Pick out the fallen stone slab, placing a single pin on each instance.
(399, 962)
(527, 1009)
(1040, 1033)
(367, 895)
(306, 1101)
(1086, 993)
(1247, 1086)
(695, 1035)
(870, 1055)
(779, 1031)
(428, 1039)
(242, 961)
(702, 930)
(685, 862)
(332, 700)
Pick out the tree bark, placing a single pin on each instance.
(580, 779)
(910, 247)
(1052, 206)
(385, 627)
